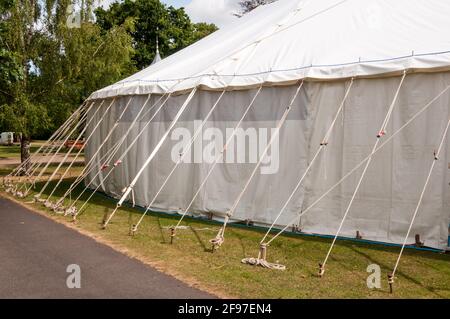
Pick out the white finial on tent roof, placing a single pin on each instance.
(157, 55)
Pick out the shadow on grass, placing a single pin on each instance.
(100, 198)
(378, 261)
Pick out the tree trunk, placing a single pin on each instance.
(25, 153)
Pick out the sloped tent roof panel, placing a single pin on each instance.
(316, 39)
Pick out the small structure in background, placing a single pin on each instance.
(7, 138)
(77, 145)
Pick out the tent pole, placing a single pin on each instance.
(436, 154)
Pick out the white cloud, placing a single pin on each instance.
(219, 12)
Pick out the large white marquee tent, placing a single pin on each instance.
(321, 116)
(325, 46)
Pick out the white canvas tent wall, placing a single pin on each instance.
(324, 42)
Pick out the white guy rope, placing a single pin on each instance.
(360, 163)
(59, 149)
(180, 160)
(152, 155)
(51, 146)
(167, 96)
(435, 159)
(56, 147)
(217, 159)
(322, 146)
(130, 146)
(70, 189)
(44, 147)
(81, 148)
(111, 131)
(88, 164)
(381, 133)
(61, 163)
(219, 239)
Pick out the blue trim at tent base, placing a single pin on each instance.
(274, 230)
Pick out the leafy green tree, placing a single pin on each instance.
(49, 64)
(250, 5)
(153, 19)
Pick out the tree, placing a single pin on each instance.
(48, 66)
(249, 5)
(153, 19)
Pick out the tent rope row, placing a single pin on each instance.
(129, 189)
(122, 156)
(215, 162)
(219, 239)
(355, 168)
(323, 144)
(381, 133)
(391, 276)
(185, 152)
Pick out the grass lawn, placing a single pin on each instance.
(14, 150)
(421, 274)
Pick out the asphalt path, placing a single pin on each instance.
(36, 255)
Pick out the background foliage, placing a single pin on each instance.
(55, 53)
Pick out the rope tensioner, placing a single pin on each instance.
(381, 133)
(133, 230)
(19, 194)
(104, 220)
(48, 204)
(172, 234)
(58, 209)
(220, 238)
(71, 211)
(37, 199)
(261, 260)
(391, 283)
(321, 270)
(418, 243)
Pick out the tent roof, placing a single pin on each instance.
(290, 40)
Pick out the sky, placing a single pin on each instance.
(219, 12)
